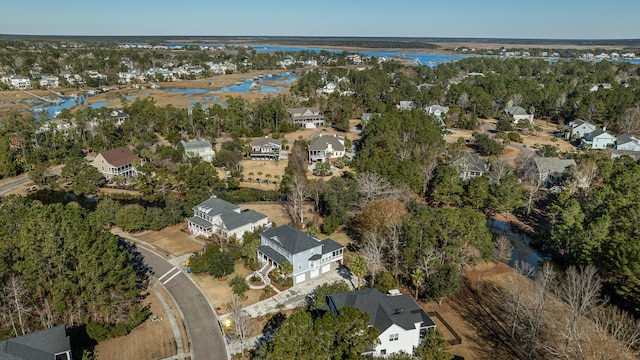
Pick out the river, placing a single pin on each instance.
(521, 248)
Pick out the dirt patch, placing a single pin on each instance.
(150, 340)
(119, 191)
(171, 239)
(274, 210)
(256, 173)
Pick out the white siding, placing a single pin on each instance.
(407, 340)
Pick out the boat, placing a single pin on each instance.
(254, 86)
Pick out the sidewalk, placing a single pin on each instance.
(296, 296)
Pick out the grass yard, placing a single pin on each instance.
(171, 239)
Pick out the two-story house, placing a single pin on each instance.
(598, 139)
(326, 148)
(578, 128)
(470, 165)
(549, 169)
(626, 145)
(199, 148)
(401, 322)
(222, 218)
(309, 256)
(51, 344)
(519, 115)
(116, 162)
(308, 117)
(265, 148)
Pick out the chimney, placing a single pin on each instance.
(604, 128)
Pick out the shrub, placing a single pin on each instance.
(239, 285)
(221, 264)
(330, 225)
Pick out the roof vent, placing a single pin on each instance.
(394, 292)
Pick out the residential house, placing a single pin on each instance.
(406, 105)
(598, 139)
(436, 110)
(579, 128)
(119, 116)
(19, 82)
(401, 322)
(519, 115)
(201, 148)
(308, 255)
(48, 344)
(470, 165)
(308, 117)
(49, 81)
(265, 148)
(218, 217)
(549, 169)
(326, 148)
(626, 145)
(330, 88)
(116, 162)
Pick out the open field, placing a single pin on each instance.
(149, 341)
(171, 239)
(219, 292)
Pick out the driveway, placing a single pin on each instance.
(203, 328)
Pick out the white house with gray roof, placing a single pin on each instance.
(265, 148)
(578, 128)
(470, 165)
(598, 139)
(626, 145)
(200, 148)
(48, 344)
(519, 115)
(218, 217)
(309, 256)
(326, 148)
(549, 169)
(308, 117)
(401, 322)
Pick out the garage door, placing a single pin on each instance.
(315, 273)
(326, 268)
(299, 278)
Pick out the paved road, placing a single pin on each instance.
(207, 341)
(13, 184)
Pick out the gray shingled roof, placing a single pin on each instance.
(214, 206)
(266, 141)
(329, 245)
(384, 310)
(292, 239)
(196, 144)
(552, 164)
(320, 143)
(516, 110)
(470, 162)
(39, 345)
(625, 138)
(233, 220)
(301, 110)
(201, 222)
(272, 254)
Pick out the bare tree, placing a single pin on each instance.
(560, 102)
(427, 169)
(315, 189)
(296, 195)
(584, 177)
(241, 322)
(373, 187)
(616, 327)
(14, 295)
(592, 112)
(499, 169)
(502, 249)
(516, 298)
(516, 99)
(373, 254)
(580, 290)
(463, 101)
(532, 183)
(536, 308)
(629, 122)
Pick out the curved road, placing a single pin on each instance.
(207, 341)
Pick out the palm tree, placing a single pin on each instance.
(286, 269)
(359, 267)
(417, 277)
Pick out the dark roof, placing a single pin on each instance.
(291, 239)
(214, 206)
(384, 310)
(316, 257)
(329, 245)
(272, 254)
(598, 132)
(233, 220)
(470, 162)
(230, 214)
(625, 138)
(266, 141)
(39, 345)
(202, 222)
(321, 143)
(119, 156)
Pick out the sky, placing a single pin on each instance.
(539, 19)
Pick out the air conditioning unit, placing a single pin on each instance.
(394, 292)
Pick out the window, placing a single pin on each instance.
(393, 337)
(383, 352)
(299, 266)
